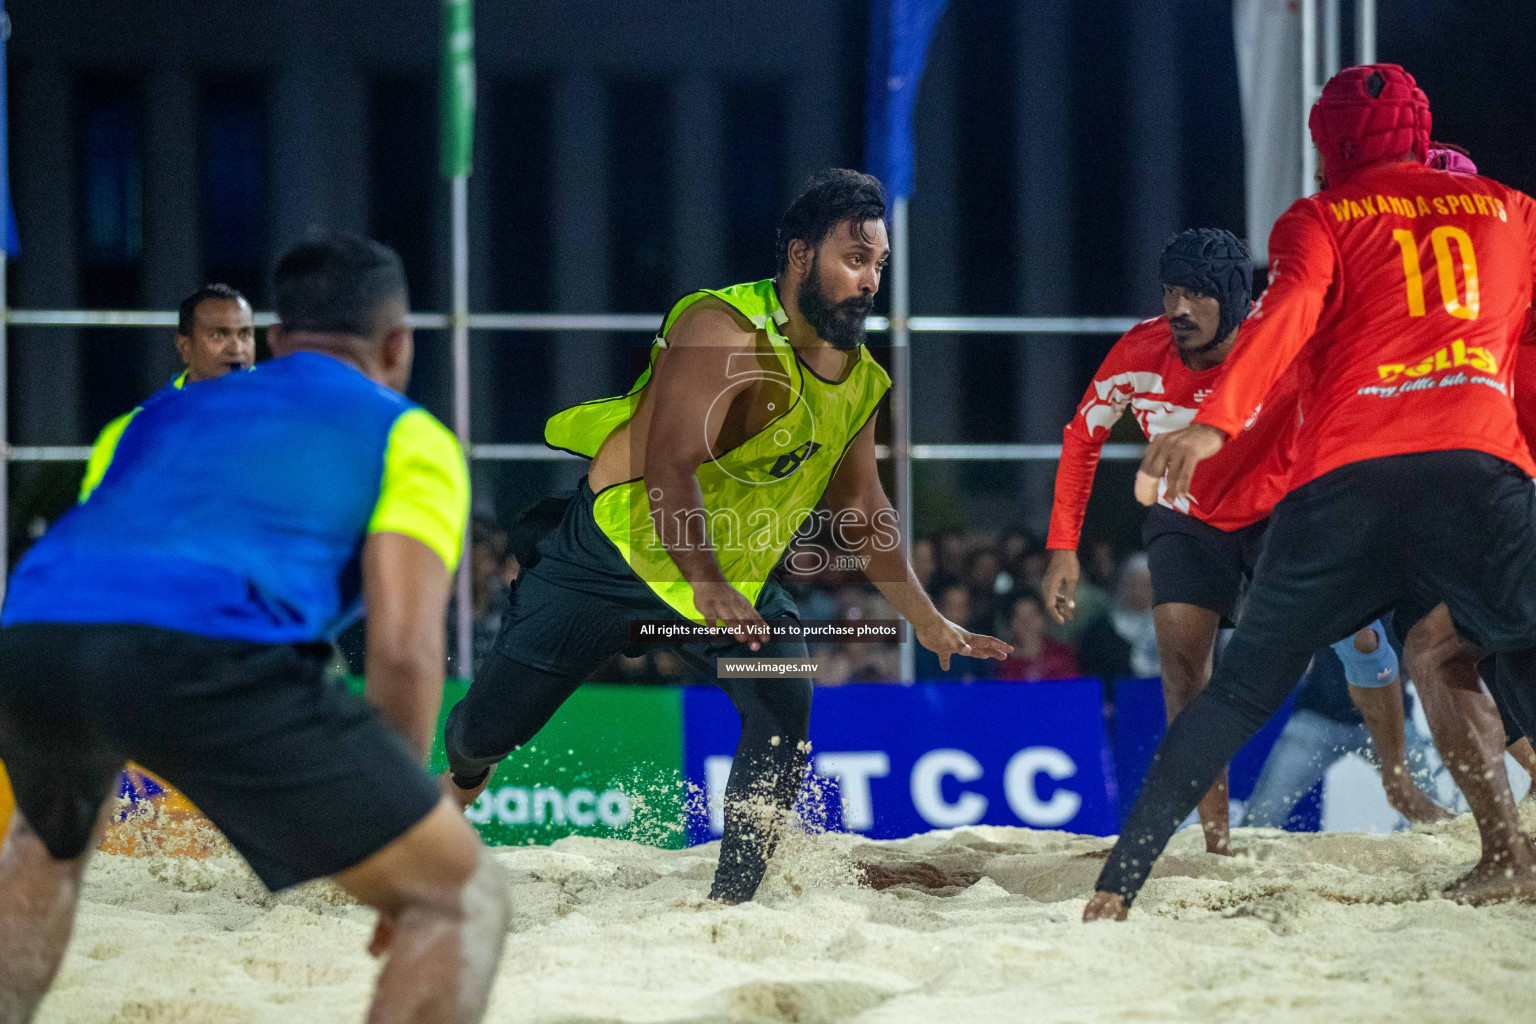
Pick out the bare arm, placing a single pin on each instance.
(864, 522)
(693, 391)
(405, 588)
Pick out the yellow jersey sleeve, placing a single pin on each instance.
(103, 451)
(425, 489)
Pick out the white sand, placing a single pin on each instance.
(1330, 927)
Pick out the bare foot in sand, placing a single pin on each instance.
(1494, 881)
(1409, 800)
(1218, 837)
(1105, 906)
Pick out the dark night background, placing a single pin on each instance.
(629, 152)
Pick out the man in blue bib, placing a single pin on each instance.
(181, 617)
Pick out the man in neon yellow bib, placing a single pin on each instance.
(753, 416)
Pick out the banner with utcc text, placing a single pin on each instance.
(649, 764)
(890, 761)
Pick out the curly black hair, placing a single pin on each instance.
(832, 197)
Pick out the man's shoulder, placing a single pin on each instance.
(418, 430)
(711, 320)
(1146, 346)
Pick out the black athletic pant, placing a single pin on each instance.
(569, 614)
(1342, 550)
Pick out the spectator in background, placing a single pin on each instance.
(489, 581)
(862, 662)
(923, 563)
(982, 578)
(949, 550)
(1032, 571)
(1015, 546)
(1123, 643)
(1102, 566)
(1035, 655)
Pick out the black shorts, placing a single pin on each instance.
(571, 610)
(301, 776)
(1195, 563)
(1402, 532)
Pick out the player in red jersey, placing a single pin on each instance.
(1400, 292)
(1202, 547)
(1471, 731)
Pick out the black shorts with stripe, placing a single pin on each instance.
(302, 776)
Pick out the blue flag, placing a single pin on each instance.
(899, 34)
(12, 244)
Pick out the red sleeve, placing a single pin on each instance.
(1523, 383)
(1302, 258)
(1081, 443)
(1074, 483)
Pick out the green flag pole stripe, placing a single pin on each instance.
(458, 87)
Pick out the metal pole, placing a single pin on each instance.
(466, 620)
(1308, 93)
(901, 403)
(5, 446)
(1365, 31)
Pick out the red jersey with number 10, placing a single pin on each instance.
(1400, 298)
(1144, 374)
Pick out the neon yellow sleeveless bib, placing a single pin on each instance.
(757, 495)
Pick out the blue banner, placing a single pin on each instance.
(1138, 722)
(890, 761)
(899, 34)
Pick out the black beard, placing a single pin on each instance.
(840, 325)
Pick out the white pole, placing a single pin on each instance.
(1308, 93)
(1331, 27)
(460, 319)
(1365, 31)
(5, 447)
(901, 403)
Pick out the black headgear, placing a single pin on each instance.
(1212, 262)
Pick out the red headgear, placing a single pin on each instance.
(1366, 114)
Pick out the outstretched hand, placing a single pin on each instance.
(946, 639)
(1175, 455)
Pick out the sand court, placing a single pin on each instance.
(979, 924)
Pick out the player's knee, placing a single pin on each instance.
(427, 869)
(1430, 644)
(1185, 664)
(470, 741)
(1368, 661)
